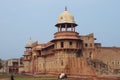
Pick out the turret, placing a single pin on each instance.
(66, 26)
(66, 22)
(29, 44)
(28, 52)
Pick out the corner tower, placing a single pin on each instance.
(66, 41)
(27, 55)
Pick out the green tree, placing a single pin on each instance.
(1, 63)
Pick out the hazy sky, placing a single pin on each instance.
(22, 19)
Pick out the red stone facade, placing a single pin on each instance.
(71, 53)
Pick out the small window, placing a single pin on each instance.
(90, 55)
(61, 62)
(70, 43)
(113, 62)
(86, 45)
(62, 44)
(21, 63)
(118, 62)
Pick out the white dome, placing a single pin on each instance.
(66, 17)
(29, 43)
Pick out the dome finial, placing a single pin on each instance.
(65, 8)
(30, 38)
(29, 43)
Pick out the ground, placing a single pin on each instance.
(48, 77)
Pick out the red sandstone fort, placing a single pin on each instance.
(71, 53)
